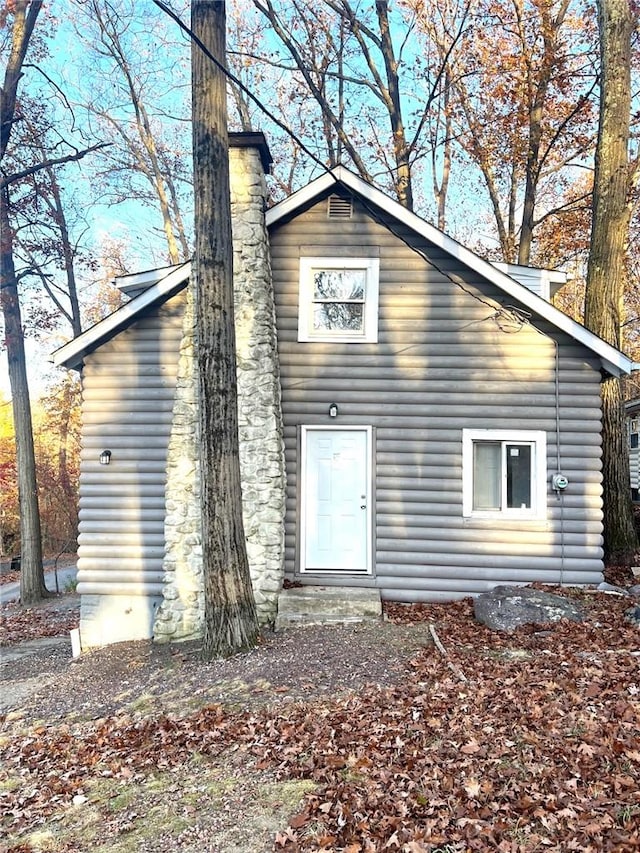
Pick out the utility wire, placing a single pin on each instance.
(230, 76)
(509, 312)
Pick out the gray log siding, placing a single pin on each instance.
(440, 366)
(634, 467)
(128, 389)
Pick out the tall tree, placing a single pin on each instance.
(606, 266)
(526, 110)
(48, 224)
(32, 586)
(133, 104)
(374, 91)
(9, 515)
(57, 441)
(520, 98)
(23, 15)
(230, 615)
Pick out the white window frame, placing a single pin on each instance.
(538, 440)
(306, 331)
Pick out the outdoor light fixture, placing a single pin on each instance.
(105, 457)
(333, 410)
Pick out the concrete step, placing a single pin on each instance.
(322, 605)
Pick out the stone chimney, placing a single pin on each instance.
(262, 469)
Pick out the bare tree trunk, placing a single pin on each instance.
(537, 106)
(605, 272)
(68, 256)
(143, 147)
(32, 587)
(69, 268)
(441, 187)
(25, 16)
(402, 179)
(230, 615)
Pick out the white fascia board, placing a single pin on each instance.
(520, 272)
(612, 360)
(71, 354)
(299, 198)
(138, 280)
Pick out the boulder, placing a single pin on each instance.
(505, 608)
(632, 615)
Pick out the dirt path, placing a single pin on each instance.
(227, 805)
(300, 663)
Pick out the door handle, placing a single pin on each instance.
(363, 506)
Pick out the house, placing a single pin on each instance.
(632, 408)
(412, 417)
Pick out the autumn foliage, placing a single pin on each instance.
(57, 446)
(522, 742)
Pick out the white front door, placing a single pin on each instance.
(336, 528)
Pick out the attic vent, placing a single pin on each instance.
(339, 208)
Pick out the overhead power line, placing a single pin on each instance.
(235, 80)
(514, 315)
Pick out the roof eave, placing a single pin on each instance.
(621, 367)
(72, 354)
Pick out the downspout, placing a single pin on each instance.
(559, 492)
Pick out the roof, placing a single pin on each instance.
(164, 284)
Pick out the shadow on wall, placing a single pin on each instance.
(128, 390)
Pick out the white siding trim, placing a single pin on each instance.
(538, 438)
(132, 283)
(72, 354)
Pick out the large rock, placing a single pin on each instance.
(632, 615)
(505, 608)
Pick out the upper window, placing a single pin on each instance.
(338, 299)
(504, 473)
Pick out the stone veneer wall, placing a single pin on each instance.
(181, 613)
(262, 469)
(261, 431)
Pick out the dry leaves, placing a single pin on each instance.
(538, 750)
(19, 624)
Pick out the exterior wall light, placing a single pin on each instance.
(333, 410)
(105, 457)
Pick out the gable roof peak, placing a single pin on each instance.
(612, 360)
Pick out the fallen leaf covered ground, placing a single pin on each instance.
(29, 623)
(519, 742)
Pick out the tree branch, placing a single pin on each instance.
(56, 161)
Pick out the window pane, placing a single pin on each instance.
(518, 476)
(339, 284)
(486, 474)
(338, 316)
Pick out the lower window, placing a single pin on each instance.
(504, 473)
